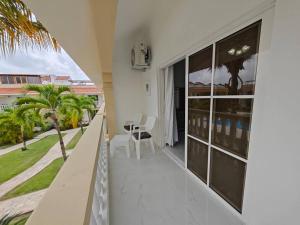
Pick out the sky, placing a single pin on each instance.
(41, 62)
(222, 75)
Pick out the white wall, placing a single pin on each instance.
(129, 85)
(7, 100)
(273, 184)
(272, 195)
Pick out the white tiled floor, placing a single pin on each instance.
(177, 151)
(156, 191)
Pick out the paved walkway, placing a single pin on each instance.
(21, 204)
(35, 139)
(52, 154)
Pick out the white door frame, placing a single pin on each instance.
(161, 103)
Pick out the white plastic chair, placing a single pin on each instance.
(129, 125)
(144, 134)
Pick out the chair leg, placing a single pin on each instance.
(152, 145)
(128, 149)
(138, 150)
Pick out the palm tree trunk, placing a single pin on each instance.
(23, 139)
(89, 116)
(61, 141)
(81, 128)
(24, 145)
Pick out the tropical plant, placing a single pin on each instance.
(8, 219)
(75, 106)
(17, 125)
(49, 101)
(88, 103)
(20, 28)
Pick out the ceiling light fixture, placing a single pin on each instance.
(245, 48)
(239, 52)
(231, 51)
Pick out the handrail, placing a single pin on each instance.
(69, 199)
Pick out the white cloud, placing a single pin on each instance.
(41, 62)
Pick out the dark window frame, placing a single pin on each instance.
(213, 97)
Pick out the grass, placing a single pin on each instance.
(20, 220)
(75, 140)
(38, 182)
(15, 162)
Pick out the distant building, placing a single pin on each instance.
(12, 86)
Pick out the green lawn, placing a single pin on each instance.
(40, 181)
(75, 140)
(15, 162)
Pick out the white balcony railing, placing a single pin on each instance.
(4, 106)
(79, 193)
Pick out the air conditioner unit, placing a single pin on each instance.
(140, 56)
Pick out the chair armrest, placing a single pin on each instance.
(139, 127)
(129, 122)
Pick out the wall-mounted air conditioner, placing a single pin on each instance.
(140, 56)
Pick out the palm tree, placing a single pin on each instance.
(50, 99)
(7, 219)
(76, 106)
(20, 28)
(90, 106)
(20, 122)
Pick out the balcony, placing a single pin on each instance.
(93, 188)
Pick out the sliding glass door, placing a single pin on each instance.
(221, 84)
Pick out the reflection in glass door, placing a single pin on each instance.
(220, 99)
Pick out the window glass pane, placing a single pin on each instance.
(4, 79)
(30, 80)
(236, 60)
(18, 80)
(33, 80)
(23, 79)
(197, 158)
(200, 72)
(227, 178)
(11, 79)
(231, 125)
(198, 119)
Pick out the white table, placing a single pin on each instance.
(120, 140)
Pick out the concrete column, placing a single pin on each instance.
(109, 103)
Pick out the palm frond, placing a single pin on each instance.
(32, 100)
(62, 89)
(4, 116)
(7, 219)
(70, 97)
(24, 108)
(34, 87)
(19, 28)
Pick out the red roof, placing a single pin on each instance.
(62, 78)
(11, 91)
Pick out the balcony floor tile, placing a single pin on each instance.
(156, 191)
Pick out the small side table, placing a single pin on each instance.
(120, 140)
